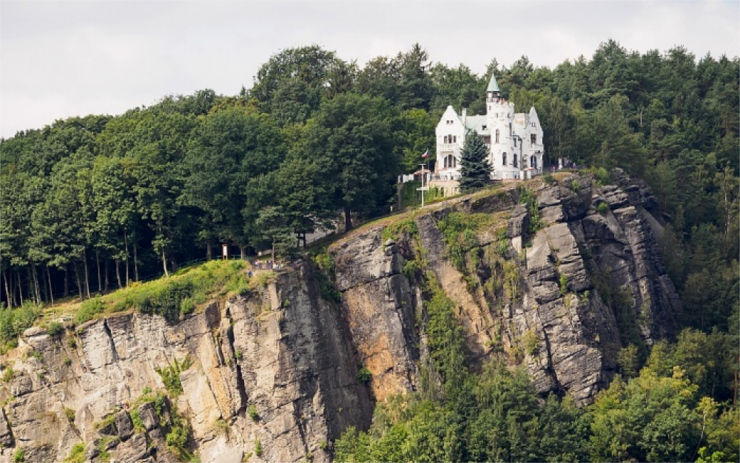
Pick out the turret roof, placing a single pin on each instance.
(493, 85)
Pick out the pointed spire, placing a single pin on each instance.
(493, 85)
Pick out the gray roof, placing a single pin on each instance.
(493, 85)
(476, 123)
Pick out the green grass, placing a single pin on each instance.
(171, 375)
(13, 322)
(459, 233)
(77, 454)
(172, 297)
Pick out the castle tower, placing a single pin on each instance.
(503, 155)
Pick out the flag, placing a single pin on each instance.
(425, 155)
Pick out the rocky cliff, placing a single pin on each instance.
(558, 276)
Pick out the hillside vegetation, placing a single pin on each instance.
(98, 203)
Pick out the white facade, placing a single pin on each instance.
(514, 140)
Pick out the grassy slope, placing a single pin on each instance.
(203, 282)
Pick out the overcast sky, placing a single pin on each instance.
(60, 59)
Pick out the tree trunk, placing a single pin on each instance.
(8, 294)
(20, 287)
(243, 252)
(347, 219)
(66, 281)
(87, 277)
(34, 283)
(79, 283)
(125, 244)
(136, 261)
(51, 288)
(105, 276)
(209, 251)
(97, 262)
(164, 263)
(118, 274)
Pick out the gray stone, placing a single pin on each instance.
(6, 436)
(92, 451)
(124, 425)
(148, 416)
(133, 450)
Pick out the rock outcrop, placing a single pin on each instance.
(558, 280)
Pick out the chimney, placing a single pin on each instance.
(464, 115)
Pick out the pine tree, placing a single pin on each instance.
(475, 171)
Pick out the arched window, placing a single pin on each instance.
(450, 161)
(509, 128)
(533, 162)
(514, 142)
(503, 159)
(516, 161)
(497, 134)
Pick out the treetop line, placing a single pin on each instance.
(91, 203)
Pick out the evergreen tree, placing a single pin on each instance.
(475, 171)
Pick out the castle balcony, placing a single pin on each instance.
(447, 147)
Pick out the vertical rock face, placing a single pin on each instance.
(559, 285)
(284, 377)
(563, 271)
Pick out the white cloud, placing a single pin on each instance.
(59, 59)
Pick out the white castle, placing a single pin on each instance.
(514, 140)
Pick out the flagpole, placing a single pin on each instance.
(422, 184)
(423, 167)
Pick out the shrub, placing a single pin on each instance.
(77, 454)
(165, 299)
(14, 321)
(187, 305)
(531, 342)
(89, 309)
(55, 329)
(19, 456)
(136, 421)
(602, 208)
(257, 447)
(252, 412)
(602, 176)
(548, 179)
(67, 361)
(563, 284)
(364, 375)
(575, 185)
(396, 229)
(70, 414)
(222, 427)
(8, 374)
(171, 375)
(527, 197)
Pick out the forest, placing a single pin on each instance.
(94, 203)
